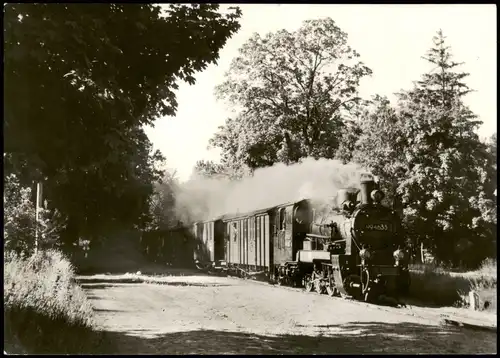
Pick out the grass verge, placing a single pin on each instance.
(45, 310)
(436, 286)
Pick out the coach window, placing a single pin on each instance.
(289, 216)
(245, 229)
(282, 219)
(235, 231)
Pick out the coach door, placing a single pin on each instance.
(219, 240)
(262, 250)
(226, 241)
(284, 234)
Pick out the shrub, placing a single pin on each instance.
(434, 285)
(45, 310)
(20, 222)
(484, 282)
(19, 216)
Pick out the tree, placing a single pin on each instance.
(376, 141)
(80, 82)
(209, 169)
(427, 151)
(163, 203)
(234, 155)
(293, 91)
(491, 145)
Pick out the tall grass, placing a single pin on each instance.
(45, 310)
(434, 285)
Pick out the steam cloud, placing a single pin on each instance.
(206, 198)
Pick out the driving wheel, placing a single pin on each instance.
(331, 290)
(308, 284)
(318, 287)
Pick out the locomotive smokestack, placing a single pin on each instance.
(367, 185)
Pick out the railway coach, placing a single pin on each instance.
(252, 243)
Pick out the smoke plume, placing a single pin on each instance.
(206, 198)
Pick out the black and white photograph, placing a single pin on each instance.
(263, 179)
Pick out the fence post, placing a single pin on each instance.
(39, 191)
(473, 300)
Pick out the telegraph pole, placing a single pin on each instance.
(39, 192)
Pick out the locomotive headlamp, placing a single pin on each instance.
(398, 256)
(347, 205)
(377, 196)
(364, 254)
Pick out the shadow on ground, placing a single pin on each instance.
(107, 283)
(352, 338)
(150, 269)
(370, 337)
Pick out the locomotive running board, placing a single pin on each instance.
(248, 273)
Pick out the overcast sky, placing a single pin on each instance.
(391, 40)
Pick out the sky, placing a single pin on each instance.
(391, 40)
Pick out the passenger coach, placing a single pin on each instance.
(252, 243)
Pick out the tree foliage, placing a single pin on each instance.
(209, 169)
(163, 203)
(292, 90)
(231, 170)
(20, 222)
(80, 82)
(428, 153)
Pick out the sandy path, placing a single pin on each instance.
(215, 315)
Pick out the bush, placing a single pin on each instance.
(484, 282)
(19, 216)
(434, 285)
(45, 310)
(20, 222)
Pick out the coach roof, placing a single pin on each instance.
(260, 211)
(234, 216)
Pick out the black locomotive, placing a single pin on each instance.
(350, 245)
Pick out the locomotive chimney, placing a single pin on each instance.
(367, 185)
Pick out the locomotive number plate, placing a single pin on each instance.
(377, 227)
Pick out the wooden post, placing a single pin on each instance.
(473, 300)
(39, 193)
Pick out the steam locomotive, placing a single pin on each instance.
(351, 245)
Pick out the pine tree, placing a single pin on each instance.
(445, 158)
(442, 86)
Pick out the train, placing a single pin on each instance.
(173, 246)
(349, 245)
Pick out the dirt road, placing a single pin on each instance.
(215, 315)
